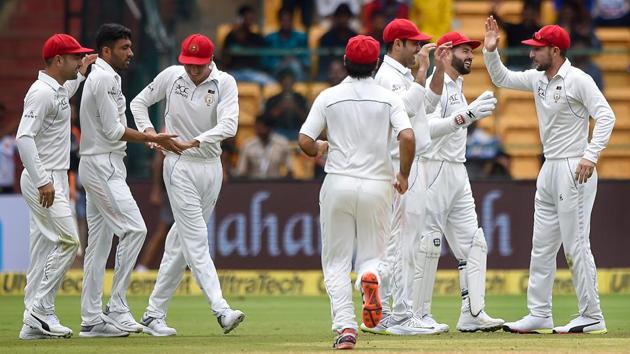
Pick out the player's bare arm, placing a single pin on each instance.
(407, 144)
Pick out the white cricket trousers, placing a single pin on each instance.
(193, 186)
(449, 211)
(352, 210)
(53, 242)
(562, 216)
(111, 210)
(398, 266)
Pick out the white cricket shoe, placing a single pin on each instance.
(27, 332)
(482, 322)
(47, 323)
(103, 329)
(530, 325)
(124, 321)
(381, 327)
(230, 319)
(411, 326)
(583, 324)
(429, 321)
(156, 327)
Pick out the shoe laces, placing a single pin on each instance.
(52, 319)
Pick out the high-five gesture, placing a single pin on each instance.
(492, 34)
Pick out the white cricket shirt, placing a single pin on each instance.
(207, 113)
(563, 107)
(450, 147)
(360, 116)
(102, 114)
(43, 137)
(418, 101)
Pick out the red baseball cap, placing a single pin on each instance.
(401, 28)
(550, 36)
(363, 49)
(60, 44)
(197, 49)
(458, 38)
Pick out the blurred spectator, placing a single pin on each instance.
(307, 8)
(575, 17)
(288, 38)
(378, 21)
(327, 8)
(580, 58)
(158, 198)
(335, 39)
(8, 150)
(266, 155)
(391, 9)
(336, 73)
(485, 158)
(612, 13)
(517, 32)
(245, 67)
(432, 17)
(288, 109)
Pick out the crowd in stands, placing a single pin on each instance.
(282, 57)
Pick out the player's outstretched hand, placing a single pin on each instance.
(86, 62)
(491, 40)
(166, 141)
(46, 195)
(584, 170)
(401, 184)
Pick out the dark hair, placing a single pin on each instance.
(390, 45)
(284, 11)
(109, 33)
(243, 10)
(265, 120)
(359, 71)
(285, 73)
(343, 10)
(563, 52)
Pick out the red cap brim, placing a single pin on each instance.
(421, 37)
(183, 59)
(473, 43)
(534, 43)
(81, 50)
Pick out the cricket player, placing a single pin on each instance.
(565, 98)
(111, 209)
(450, 207)
(404, 50)
(202, 109)
(356, 196)
(43, 140)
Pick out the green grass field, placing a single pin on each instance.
(302, 324)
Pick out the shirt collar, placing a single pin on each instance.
(459, 80)
(214, 74)
(349, 79)
(564, 68)
(396, 65)
(105, 66)
(48, 80)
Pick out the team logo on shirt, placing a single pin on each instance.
(556, 94)
(62, 102)
(396, 88)
(209, 98)
(541, 92)
(151, 87)
(181, 90)
(31, 115)
(453, 99)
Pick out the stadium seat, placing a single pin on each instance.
(274, 89)
(303, 166)
(244, 133)
(249, 100)
(315, 88)
(619, 100)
